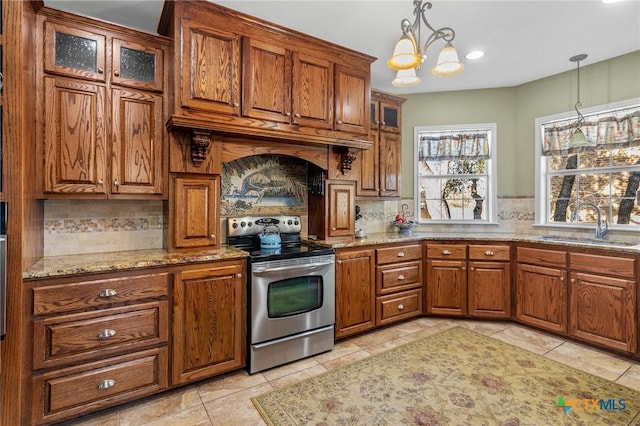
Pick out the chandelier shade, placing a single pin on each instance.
(405, 55)
(406, 78)
(448, 62)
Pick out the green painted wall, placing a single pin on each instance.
(515, 109)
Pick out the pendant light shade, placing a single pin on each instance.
(448, 62)
(405, 54)
(578, 141)
(406, 78)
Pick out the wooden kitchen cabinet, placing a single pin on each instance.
(332, 213)
(447, 279)
(102, 112)
(209, 310)
(355, 291)
(380, 166)
(352, 98)
(603, 301)
(541, 288)
(98, 341)
(472, 280)
(286, 86)
(398, 283)
(194, 212)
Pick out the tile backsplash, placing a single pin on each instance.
(98, 226)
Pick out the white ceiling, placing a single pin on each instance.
(524, 40)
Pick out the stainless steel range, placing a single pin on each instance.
(291, 290)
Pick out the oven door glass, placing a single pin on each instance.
(294, 296)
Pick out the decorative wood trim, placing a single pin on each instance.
(201, 141)
(347, 157)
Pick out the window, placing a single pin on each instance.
(605, 174)
(455, 174)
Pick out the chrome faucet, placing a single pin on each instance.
(600, 232)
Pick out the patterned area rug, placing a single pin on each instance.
(456, 377)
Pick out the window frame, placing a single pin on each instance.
(542, 213)
(491, 173)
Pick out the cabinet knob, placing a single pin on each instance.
(333, 229)
(472, 268)
(239, 275)
(464, 268)
(107, 292)
(100, 70)
(561, 279)
(116, 73)
(339, 121)
(288, 114)
(401, 254)
(212, 236)
(401, 277)
(296, 115)
(106, 384)
(384, 123)
(106, 333)
(100, 182)
(235, 104)
(400, 307)
(116, 183)
(446, 252)
(573, 280)
(489, 253)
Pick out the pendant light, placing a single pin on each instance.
(578, 140)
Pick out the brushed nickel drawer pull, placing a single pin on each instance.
(106, 384)
(109, 292)
(446, 252)
(400, 307)
(106, 333)
(489, 253)
(401, 277)
(401, 254)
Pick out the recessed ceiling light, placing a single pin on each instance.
(476, 54)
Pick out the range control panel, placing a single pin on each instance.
(254, 225)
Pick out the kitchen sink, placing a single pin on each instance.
(586, 241)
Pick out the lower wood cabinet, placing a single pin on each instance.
(209, 309)
(542, 294)
(355, 291)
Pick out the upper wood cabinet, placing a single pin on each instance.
(332, 213)
(381, 166)
(285, 86)
(210, 68)
(240, 75)
(102, 111)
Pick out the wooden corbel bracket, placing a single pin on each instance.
(201, 141)
(347, 156)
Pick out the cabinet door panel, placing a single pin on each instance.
(74, 52)
(75, 140)
(208, 322)
(138, 66)
(312, 91)
(352, 100)
(390, 164)
(489, 287)
(196, 212)
(603, 311)
(341, 208)
(210, 69)
(447, 287)
(368, 184)
(542, 297)
(266, 85)
(137, 143)
(355, 291)
(390, 117)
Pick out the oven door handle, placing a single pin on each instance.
(288, 268)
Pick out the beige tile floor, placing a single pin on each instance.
(225, 400)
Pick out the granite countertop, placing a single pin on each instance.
(56, 266)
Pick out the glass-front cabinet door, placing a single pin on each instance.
(74, 52)
(136, 65)
(389, 117)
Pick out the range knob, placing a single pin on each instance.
(235, 225)
(243, 224)
(296, 222)
(289, 222)
(249, 223)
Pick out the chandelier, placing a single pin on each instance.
(408, 55)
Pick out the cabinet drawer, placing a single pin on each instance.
(74, 338)
(90, 387)
(489, 252)
(446, 251)
(86, 295)
(398, 277)
(541, 256)
(607, 265)
(399, 254)
(398, 306)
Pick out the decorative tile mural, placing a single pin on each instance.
(264, 184)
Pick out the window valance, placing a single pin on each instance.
(460, 145)
(605, 130)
